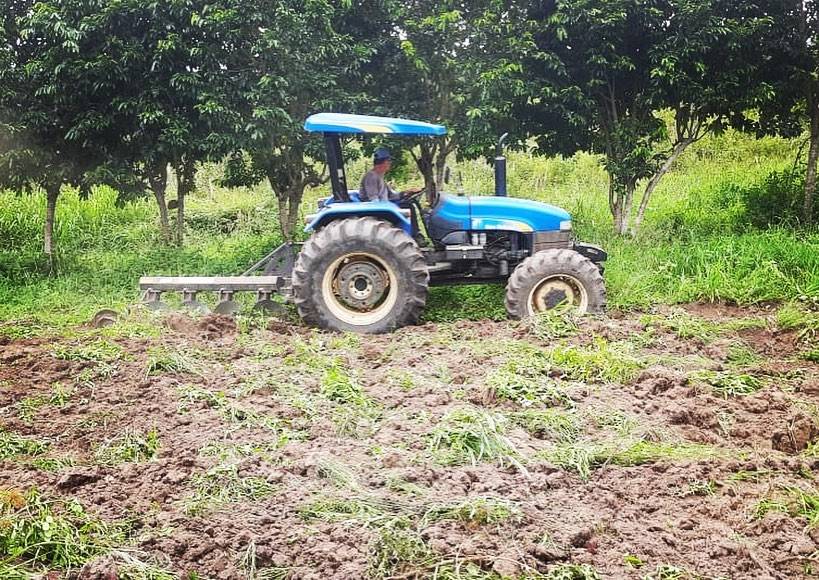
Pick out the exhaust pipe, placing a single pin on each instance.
(500, 168)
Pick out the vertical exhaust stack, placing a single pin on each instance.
(500, 168)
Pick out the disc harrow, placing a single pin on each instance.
(268, 277)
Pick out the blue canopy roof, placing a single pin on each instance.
(344, 123)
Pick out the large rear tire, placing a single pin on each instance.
(361, 275)
(551, 278)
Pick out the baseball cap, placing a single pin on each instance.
(381, 154)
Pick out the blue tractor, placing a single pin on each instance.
(364, 270)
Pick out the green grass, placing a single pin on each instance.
(129, 446)
(524, 379)
(601, 361)
(51, 533)
(728, 383)
(556, 425)
(14, 445)
(472, 435)
(479, 510)
(222, 485)
(98, 350)
(572, 572)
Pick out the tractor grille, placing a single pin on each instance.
(551, 241)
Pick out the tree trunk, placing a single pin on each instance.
(52, 193)
(621, 199)
(440, 163)
(158, 182)
(678, 149)
(186, 172)
(813, 155)
(426, 165)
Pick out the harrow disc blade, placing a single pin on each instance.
(155, 305)
(103, 318)
(227, 307)
(269, 307)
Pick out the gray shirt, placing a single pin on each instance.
(374, 188)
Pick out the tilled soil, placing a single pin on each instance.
(344, 475)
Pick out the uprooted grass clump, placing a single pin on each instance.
(472, 435)
(799, 318)
(52, 533)
(164, 360)
(555, 424)
(13, 445)
(794, 501)
(222, 485)
(728, 383)
(354, 413)
(98, 350)
(583, 456)
(475, 511)
(524, 378)
(559, 322)
(601, 362)
(130, 446)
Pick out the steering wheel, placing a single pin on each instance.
(412, 196)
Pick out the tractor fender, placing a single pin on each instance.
(379, 209)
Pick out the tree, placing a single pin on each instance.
(791, 74)
(451, 62)
(604, 68)
(36, 117)
(295, 60)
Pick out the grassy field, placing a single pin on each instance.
(706, 236)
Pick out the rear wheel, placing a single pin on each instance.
(361, 275)
(551, 278)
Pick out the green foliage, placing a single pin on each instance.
(164, 360)
(13, 445)
(221, 485)
(572, 572)
(524, 379)
(471, 435)
(129, 446)
(480, 510)
(554, 424)
(601, 361)
(99, 350)
(51, 532)
(775, 201)
(729, 384)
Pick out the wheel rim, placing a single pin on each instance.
(555, 290)
(359, 289)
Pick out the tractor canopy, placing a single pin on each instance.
(344, 123)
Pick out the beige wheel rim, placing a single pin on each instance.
(555, 290)
(360, 289)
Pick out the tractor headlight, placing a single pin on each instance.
(566, 226)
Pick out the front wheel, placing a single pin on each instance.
(360, 275)
(551, 278)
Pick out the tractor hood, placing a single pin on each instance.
(502, 213)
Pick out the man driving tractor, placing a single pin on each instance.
(374, 188)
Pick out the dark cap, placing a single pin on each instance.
(381, 154)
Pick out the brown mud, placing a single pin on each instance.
(273, 420)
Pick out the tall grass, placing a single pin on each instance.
(700, 239)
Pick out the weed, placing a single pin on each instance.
(13, 445)
(614, 419)
(130, 446)
(794, 317)
(340, 510)
(401, 378)
(471, 435)
(554, 424)
(337, 473)
(232, 412)
(99, 350)
(221, 485)
(236, 451)
(683, 324)
(27, 408)
(524, 379)
(806, 505)
(248, 563)
(395, 546)
(480, 510)
(811, 355)
(700, 488)
(558, 322)
(355, 422)
(53, 533)
(727, 383)
(162, 360)
(340, 387)
(582, 457)
(52, 463)
(740, 355)
(601, 361)
(669, 572)
(572, 572)
(767, 505)
(633, 561)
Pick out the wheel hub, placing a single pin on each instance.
(553, 292)
(361, 284)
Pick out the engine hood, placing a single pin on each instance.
(514, 214)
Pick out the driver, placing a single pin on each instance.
(373, 187)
